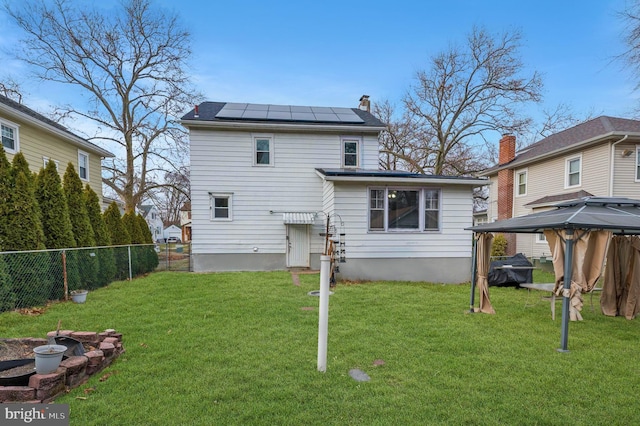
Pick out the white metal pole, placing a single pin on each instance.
(323, 316)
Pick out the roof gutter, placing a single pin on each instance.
(475, 182)
(281, 126)
(611, 161)
(553, 153)
(74, 139)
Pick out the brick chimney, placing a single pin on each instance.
(365, 103)
(505, 187)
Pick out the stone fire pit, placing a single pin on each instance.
(100, 351)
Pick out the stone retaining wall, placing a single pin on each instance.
(72, 372)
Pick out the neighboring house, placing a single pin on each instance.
(42, 140)
(152, 216)
(480, 217)
(185, 221)
(600, 157)
(106, 201)
(265, 179)
(172, 231)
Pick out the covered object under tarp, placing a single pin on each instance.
(510, 272)
(586, 226)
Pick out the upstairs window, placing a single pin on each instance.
(521, 183)
(45, 160)
(263, 151)
(638, 163)
(573, 167)
(220, 206)
(350, 153)
(9, 137)
(83, 165)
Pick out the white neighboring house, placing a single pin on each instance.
(265, 178)
(173, 231)
(152, 216)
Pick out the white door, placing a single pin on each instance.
(298, 246)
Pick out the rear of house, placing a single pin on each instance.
(269, 181)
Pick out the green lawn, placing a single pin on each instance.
(238, 348)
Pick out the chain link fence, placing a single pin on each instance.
(32, 278)
(174, 257)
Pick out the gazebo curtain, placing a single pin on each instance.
(483, 259)
(621, 289)
(589, 251)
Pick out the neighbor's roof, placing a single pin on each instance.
(619, 215)
(593, 131)
(20, 111)
(228, 114)
(552, 199)
(395, 176)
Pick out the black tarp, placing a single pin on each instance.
(507, 272)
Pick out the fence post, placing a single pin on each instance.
(64, 275)
(166, 255)
(130, 273)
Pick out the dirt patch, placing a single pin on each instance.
(14, 349)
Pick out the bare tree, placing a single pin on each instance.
(172, 196)
(131, 62)
(10, 88)
(466, 93)
(631, 36)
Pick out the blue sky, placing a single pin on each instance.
(328, 53)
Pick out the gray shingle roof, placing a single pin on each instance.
(207, 111)
(44, 120)
(560, 197)
(596, 130)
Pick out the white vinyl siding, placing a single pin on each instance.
(219, 165)
(9, 134)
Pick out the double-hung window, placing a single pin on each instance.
(404, 209)
(220, 206)
(83, 165)
(350, 152)
(45, 160)
(573, 167)
(9, 134)
(637, 163)
(521, 183)
(263, 150)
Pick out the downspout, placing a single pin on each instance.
(613, 152)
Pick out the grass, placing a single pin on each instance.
(238, 348)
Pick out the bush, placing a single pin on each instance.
(119, 236)
(105, 256)
(499, 246)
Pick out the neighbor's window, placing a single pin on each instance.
(83, 165)
(263, 151)
(404, 209)
(45, 160)
(220, 207)
(573, 168)
(9, 137)
(638, 162)
(350, 152)
(540, 238)
(521, 182)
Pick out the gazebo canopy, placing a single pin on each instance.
(618, 215)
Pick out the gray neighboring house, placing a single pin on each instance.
(600, 157)
(265, 179)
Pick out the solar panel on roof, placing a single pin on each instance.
(288, 113)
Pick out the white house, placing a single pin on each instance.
(266, 179)
(173, 231)
(152, 216)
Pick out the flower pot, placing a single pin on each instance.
(48, 358)
(79, 296)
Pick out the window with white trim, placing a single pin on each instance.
(350, 152)
(541, 238)
(521, 183)
(9, 132)
(83, 165)
(263, 150)
(637, 163)
(220, 205)
(404, 209)
(573, 168)
(45, 160)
